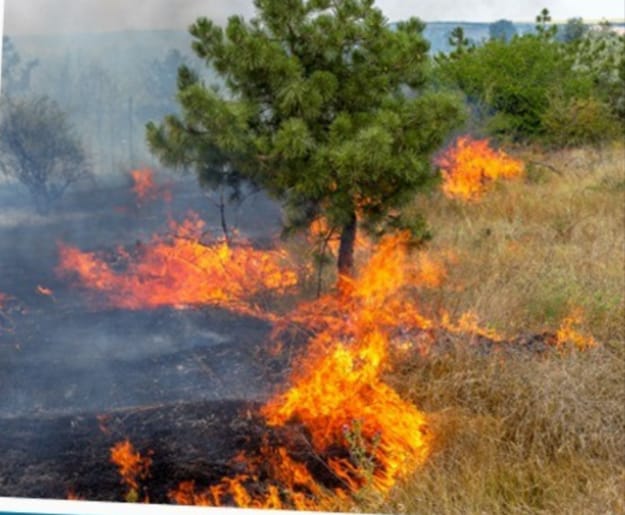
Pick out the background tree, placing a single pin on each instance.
(502, 29)
(574, 30)
(601, 54)
(324, 106)
(15, 75)
(458, 42)
(38, 148)
(544, 28)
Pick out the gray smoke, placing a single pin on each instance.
(61, 16)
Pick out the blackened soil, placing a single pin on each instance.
(181, 384)
(53, 457)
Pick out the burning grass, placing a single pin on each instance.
(537, 434)
(180, 270)
(146, 189)
(470, 167)
(398, 422)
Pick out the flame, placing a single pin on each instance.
(42, 290)
(359, 430)
(470, 166)
(180, 270)
(131, 465)
(339, 396)
(568, 334)
(341, 385)
(146, 189)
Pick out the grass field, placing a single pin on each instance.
(541, 433)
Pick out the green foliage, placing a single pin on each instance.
(544, 28)
(601, 54)
(511, 82)
(361, 449)
(325, 106)
(567, 90)
(578, 121)
(458, 42)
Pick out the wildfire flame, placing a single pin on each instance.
(355, 425)
(180, 270)
(470, 166)
(567, 333)
(131, 465)
(145, 187)
(339, 396)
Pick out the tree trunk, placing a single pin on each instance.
(222, 217)
(346, 248)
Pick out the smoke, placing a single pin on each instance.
(492, 10)
(63, 16)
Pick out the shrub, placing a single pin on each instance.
(578, 121)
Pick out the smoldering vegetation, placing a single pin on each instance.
(63, 353)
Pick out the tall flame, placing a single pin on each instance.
(470, 166)
(339, 396)
(131, 465)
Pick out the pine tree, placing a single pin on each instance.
(325, 105)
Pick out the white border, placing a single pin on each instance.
(59, 507)
(1, 34)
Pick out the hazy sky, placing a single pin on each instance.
(50, 16)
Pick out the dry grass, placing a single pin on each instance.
(540, 433)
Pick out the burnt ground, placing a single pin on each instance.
(183, 385)
(54, 456)
(74, 380)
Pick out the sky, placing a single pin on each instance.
(54, 16)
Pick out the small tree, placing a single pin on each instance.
(39, 149)
(325, 107)
(458, 42)
(544, 28)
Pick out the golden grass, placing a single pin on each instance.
(529, 433)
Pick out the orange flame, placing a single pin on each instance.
(146, 189)
(470, 166)
(131, 465)
(180, 271)
(342, 383)
(339, 396)
(567, 333)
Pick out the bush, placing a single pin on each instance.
(513, 84)
(576, 122)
